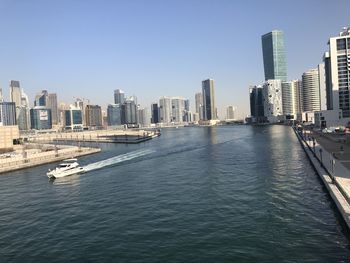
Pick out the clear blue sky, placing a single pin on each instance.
(156, 48)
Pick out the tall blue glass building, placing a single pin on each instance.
(274, 55)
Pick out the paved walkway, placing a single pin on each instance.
(334, 155)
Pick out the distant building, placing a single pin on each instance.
(155, 113)
(74, 119)
(8, 114)
(119, 96)
(199, 105)
(165, 110)
(311, 90)
(143, 117)
(177, 109)
(52, 104)
(230, 113)
(114, 114)
(272, 96)
(40, 118)
(129, 112)
(1, 96)
(15, 92)
(41, 99)
(257, 104)
(274, 56)
(209, 108)
(291, 99)
(93, 116)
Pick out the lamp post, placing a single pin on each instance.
(321, 157)
(313, 145)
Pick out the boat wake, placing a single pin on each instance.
(116, 159)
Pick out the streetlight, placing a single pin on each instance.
(313, 145)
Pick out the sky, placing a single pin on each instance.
(157, 48)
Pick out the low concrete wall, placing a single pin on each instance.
(35, 159)
(333, 185)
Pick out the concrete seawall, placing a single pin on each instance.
(335, 185)
(36, 159)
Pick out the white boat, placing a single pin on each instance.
(66, 168)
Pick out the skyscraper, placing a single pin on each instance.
(274, 55)
(41, 99)
(155, 113)
(7, 114)
(209, 109)
(338, 71)
(272, 96)
(199, 104)
(15, 92)
(52, 104)
(73, 118)
(93, 116)
(257, 104)
(165, 110)
(311, 90)
(119, 96)
(40, 118)
(177, 109)
(114, 114)
(1, 96)
(291, 98)
(230, 113)
(129, 112)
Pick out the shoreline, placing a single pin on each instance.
(335, 185)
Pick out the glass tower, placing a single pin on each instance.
(274, 55)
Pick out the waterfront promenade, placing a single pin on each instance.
(330, 156)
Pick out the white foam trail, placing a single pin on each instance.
(116, 159)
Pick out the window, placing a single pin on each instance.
(341, 44)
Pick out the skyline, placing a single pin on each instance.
(157, 49)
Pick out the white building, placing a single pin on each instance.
(199, 104)
(272, 94)
(291, 98)
(177, 109)
(311, 90)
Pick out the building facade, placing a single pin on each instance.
(93, 116)
(209, 107)
(129, 112)
(272, 96)
(119, 96)
(274, 56)
(8, 114)
(114, 114)
(199, 104)
(52, 104)
(155, 113)
(291, 98)
(74, 119)
(230, 113)
(256, 104)
(311, 96)
(40, 118)
(15, 92)
(165, 110)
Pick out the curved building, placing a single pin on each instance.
(311, 90)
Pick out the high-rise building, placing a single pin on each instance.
(93, 116)
(41, 99)
(143, 117)
(337, 73)
(177, 109)
(274, 55)
(52, 104)
(74, 119)
(8, 114)
(291, 98)
(129, 112)
(230, 113)
(165, 110)
(257, 104)
(15, 92)
(155, 113)
(311, 90)
(40, 118)
(199, 104)
(272, 96)
(119, 96)
(209, 109)
(1, 96)
(114, 114)
(322, 85)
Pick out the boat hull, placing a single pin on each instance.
(55, 174)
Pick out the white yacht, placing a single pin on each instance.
(66, 168)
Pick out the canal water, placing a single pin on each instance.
(201, 194)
